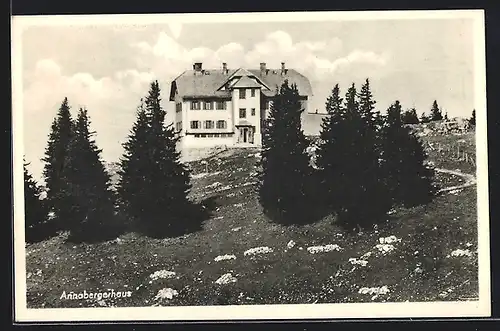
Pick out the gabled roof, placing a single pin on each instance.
(246, 81)
(274, 80)
(208, 82)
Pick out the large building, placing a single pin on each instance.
(228, 106)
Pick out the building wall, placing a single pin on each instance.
(190, 141)
(248, 103)
(203, 115)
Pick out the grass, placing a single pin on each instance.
(417, 270)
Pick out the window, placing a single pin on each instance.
(207, 105)
(195, 124)
(221, 105)
(209, 124)
(178, 126)
(253, 112)
(216, 135)
(243, 94)
(221, 124)
(195, 105)
(253, 92)
(178, 107)
(197, 135)
(243, 113)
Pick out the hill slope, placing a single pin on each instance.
(430, 254)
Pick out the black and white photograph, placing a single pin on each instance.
(237, 166)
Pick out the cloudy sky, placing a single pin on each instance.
(107, 69)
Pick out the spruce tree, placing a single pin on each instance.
(367, 107)
(331, 149)
(55, 160)
(472, 119)
(92, 214)
(284, 189)
(424, 118)
(151, 168)
(134, 165)
(35, 210)
(436, 114)
(349, 159)
(410, 117)
(409, 180)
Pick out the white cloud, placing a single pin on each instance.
(111, 101)
(175, 29)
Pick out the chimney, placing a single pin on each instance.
(283, 70)
(224, 67)
(197, 66)
(262, 66)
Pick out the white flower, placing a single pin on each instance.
(389, 240)
(166, 293)
(226, 279)
(321, 249)
(374, 290)
(258, 250)
(366, 255)
(355, 261)
(224, 257)
(461, 252)
(290, 244)
(385, 248)
(162, 274)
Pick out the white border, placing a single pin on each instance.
(479, 308)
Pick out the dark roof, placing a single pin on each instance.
(207, 82)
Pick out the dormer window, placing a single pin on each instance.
(195, 105)
(207, 105)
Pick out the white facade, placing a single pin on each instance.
(201, 124)
(219, 108)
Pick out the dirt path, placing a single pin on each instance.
(469, 179)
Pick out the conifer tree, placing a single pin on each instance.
(55, 160)
(367, 109)
(472, 120)
(424, 118)
(410, 116)
(151, 168)
(349, 161)
(332, 149)
(436, 114)
(92, 200)
(134, 164)
(373, 122)
(283, 192)
(409, 180)
(35, 210)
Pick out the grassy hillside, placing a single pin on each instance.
(417, 266)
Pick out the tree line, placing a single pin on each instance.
(366, 164)
(152, 193)
(410, 116)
